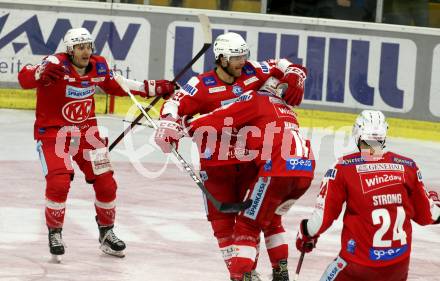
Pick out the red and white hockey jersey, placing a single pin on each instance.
(382, 197)
(206, 92)
(70, 101)
(267, 130)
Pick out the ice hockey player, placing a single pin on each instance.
(66, 127)
(270, 132)
(383, 192)
(233, 75)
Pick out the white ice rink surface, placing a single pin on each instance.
(161, 218)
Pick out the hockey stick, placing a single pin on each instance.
(220, 206)
(206, 27)
(298, 267)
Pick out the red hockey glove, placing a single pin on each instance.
(185, 122)
(161, 88)
(435, 198)
(168, 133)
(49, 71)
(303, 240)
(294, 77)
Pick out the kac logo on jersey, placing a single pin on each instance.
(298, 164)
(237, 90)
(209, 81)
(79, 93)
(77, 111)
(386, 254)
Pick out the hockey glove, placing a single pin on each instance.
(161, 88)
(49, 71)
(294, 77)
(304, 242)
(433, 196)
(168, 133)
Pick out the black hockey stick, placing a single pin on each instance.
(298, 267)
(220, 206)
(206, 27)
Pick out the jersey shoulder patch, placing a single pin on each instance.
(248, 69)
(209, 81)
(398, 159)
(190, 87)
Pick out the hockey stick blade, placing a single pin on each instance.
(207, 35)
(234, 207)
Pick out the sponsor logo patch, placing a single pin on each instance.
(79, 93)
(331, 174)
(381, 179)
(249, 70)
(299, 164)
(217, 89)
(97, 79)
(333, 269)
(268, 166)
(250, 80)
(353, 161)
(229, 101)
(264, 67)
(244, 98)
(101, 69)
(257, 198)
(405, 162)
(209, 81)
(379, 167)
(188, 89)
(351, 246)
(386, 254)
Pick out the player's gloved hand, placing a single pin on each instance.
(304, 242)
(49, 71)
(185, 122)
(435, 198)
(433, 195)
(168, 133)
(162, 88)
(294, 77)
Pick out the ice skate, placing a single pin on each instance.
(56, 244)
(246, 277)
(255, 276)
(281, 274)
(110, 243)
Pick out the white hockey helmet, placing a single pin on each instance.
(370, 125)
(229, 45)
(75, 36)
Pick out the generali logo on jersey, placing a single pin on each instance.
(380, 179)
